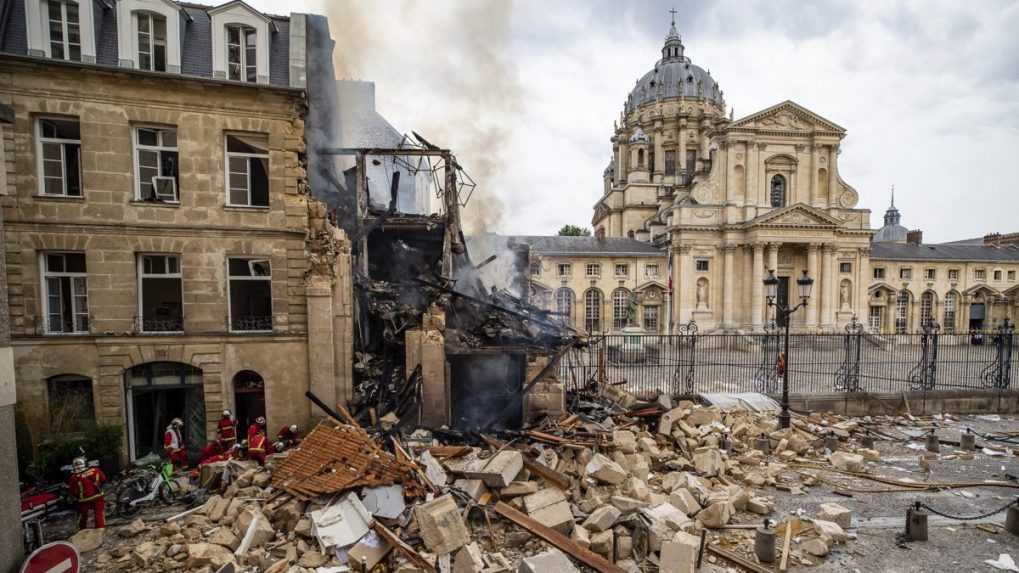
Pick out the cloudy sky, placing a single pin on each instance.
(526, 92)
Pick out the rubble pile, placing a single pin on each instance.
(623, 492)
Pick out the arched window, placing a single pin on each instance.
(620, 308)
(249, 397)
(564, 304)
(902, 312)
(592, 310)
(778, 191)
(951, 300)
(640, 158)
(151, 41)
(926, 308)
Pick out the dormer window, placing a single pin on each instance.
(242, 53)
(151, 42)
(64, 30)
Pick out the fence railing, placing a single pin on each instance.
(689, 362)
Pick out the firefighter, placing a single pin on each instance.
(259, 447)
(287, 437)
(255, 427)
(212, 452)
(173, 443)
(85, 487)
(227, 430)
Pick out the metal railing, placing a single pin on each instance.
(853, 360)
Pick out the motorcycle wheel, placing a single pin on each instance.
(168, 492)
(128, 492)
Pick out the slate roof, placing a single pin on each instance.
(943, 252)
(566, 246)
(196, 38)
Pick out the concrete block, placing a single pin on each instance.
(605, 470)
(846, 461)
(581, 536)
(684, 501)
(679, 555)
(473, 487)
(716, 515)
(602, 518)
(550, 508)
(625, 440)
(519, 488)
(499, 470)
(469, 559)
(831, 530)
(843, 516)
(626, 504)
(551, 561)
(709, 462)
(602, 543)
(442, 528)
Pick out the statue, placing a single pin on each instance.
(844, 295)
(702, 295)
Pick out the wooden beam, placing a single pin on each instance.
(402, 547)
(585, 556)
(737, 559)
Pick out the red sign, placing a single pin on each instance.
(58, 557)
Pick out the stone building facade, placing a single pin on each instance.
(164, 258)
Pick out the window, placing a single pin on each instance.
(651, 318)
(241, 53)
(926, 308)
(670, 162)
(592, 310)
(640, 158)
(70, 403)
(622, 270)
(161, 305)
(778, 191)
(949, 320)
(1011, 276)
(65, 285)
(980, 274)
(156, 164)
(250, 294)
(879, 273)
(620, 309)
(151, 42)
(651, 270)
(702, 265)
(997, 275)
(564, 304)
(874, 319)
(65, 30)
(59, 155)
(953, 274)
(901, 312)
(247, 165)
(930, 274)
(845, 267)
(906, 273)
(535, 268)
(565, 269)
(592, 270)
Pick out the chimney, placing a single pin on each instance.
(992, 239)
(914, 237)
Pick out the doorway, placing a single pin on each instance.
(783, 301)
(156, 393)
(977, 315)
(483, 386)
(249, 400)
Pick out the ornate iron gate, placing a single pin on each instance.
(998, 374)
(924, 375)
(682, 376)
(847, 378)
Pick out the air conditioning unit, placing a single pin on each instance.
(165, 188)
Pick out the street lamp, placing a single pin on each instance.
(804, 284)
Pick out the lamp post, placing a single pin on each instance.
(782, 313)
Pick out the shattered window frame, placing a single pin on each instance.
(167, 168)
(68, 289)
(250, 324)
(169, 268)
(535, 268)
(48, 140)
(243, 163)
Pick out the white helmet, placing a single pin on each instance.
(78, 465)
(227, 414)
(260, 421)
(177, 422)
(293, 428)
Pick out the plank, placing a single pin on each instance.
(585, 556)
(402, 547)
(737, 559)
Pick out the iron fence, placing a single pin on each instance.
(854, 360)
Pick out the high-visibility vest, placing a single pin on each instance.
(257, 444)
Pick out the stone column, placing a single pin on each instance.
(729, 287)
(757, 287)
(683, 283)
(812, 303)
(773, 257)
(827, 287)
(748, 286)
(321, 348)
(11, 552)
(862, 300)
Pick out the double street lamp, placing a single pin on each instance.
(783, 311)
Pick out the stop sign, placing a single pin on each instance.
(58, 557)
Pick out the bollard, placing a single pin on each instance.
(763, 443)
(1012, 520)
(933, 445)
(831, 443)
(968, 440)
(916, 523)
(868, 441)
(764, 543)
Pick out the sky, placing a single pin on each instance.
(526, 92)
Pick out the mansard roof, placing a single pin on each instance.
(576, 246)
(943, 252)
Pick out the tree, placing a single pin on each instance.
(574, 231)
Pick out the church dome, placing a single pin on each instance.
(674, 76)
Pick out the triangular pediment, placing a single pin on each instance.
(881, 286)
(538, 287)
(786, 116)
(981, 288)
(651, 284)
(798, 215)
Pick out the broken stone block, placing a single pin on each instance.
(602, 518)
(550, 508)
(261, 532)
(869, 455)
(133, 529)
(468, 559)
(87, 540)
(144, 553)
(626, 504)
(635, 488)
(679, 554)
(519, 488)
(846, 461)
(218, 508)
(442, 528)
(472, 487)
(551, 561)
(669, 515)
(668, 419)
(760, 506)
(830, 530)
(605, 470)
(684, 501)
(581, 536)
(709, 462)
(303, 527)
(602, 543)
(224, 537)
(499, 470)
(703, 416)
(815, 546)
(640, 469)
(843, 516)
(624, 544)
(716, 515)
(433, 469)
(312, 559)
(207, 555)
(625, 440)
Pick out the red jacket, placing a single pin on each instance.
(86, 485)
(286, 434)
(227, 429)
(252, 430)
(259, 445)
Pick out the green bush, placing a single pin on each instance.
(100, 443)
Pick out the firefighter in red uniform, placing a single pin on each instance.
(227, 431)
(255, 427)
(259, 447)
(288, 436)
(173, 443)
(85, 487)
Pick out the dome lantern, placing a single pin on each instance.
(673, 48)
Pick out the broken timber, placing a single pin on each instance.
(408, 551)
(737, 559)
(564, 543)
